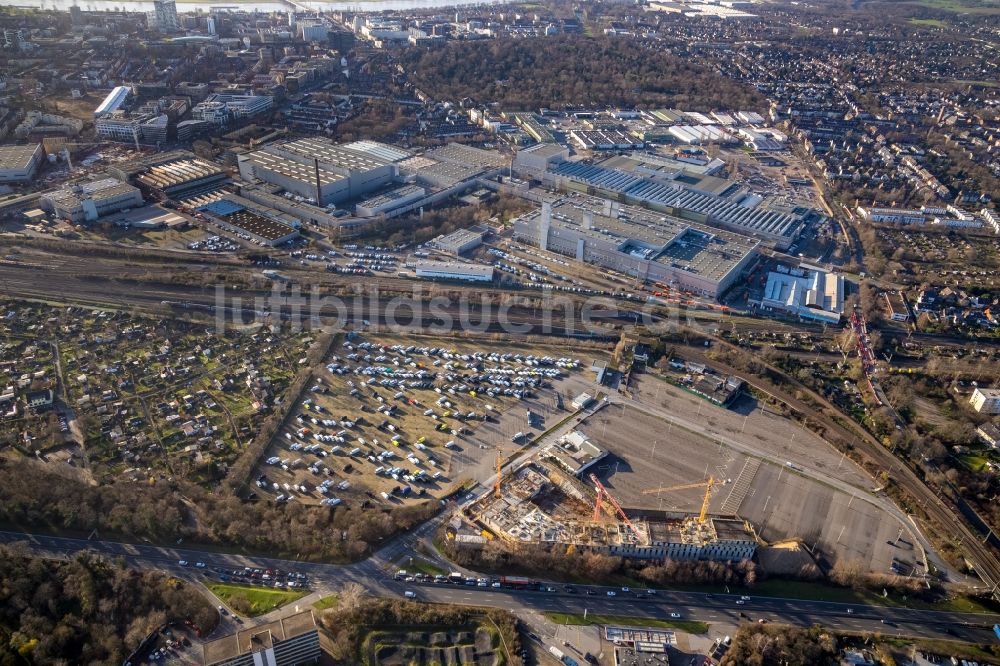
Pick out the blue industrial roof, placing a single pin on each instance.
(221, 207)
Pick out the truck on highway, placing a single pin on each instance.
(518, 582)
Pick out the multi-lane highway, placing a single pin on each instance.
(715, 607)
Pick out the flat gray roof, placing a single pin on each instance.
(17, 157)
(259, 637)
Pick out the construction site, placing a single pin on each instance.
(632, 483)
(539, 502)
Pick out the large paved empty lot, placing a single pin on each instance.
(648, 453)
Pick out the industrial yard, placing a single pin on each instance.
(674, 456)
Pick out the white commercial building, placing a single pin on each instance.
(18, 164)
(118, 126)
(454, 270)
(986, 401)
(808, 292)
(88, 202)
(220, 109)
(113, 101)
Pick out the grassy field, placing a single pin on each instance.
(929, 23)
(690, 626)
(326, 602)
(973, 7)
(418, 565)
(253, 600)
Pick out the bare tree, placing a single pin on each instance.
(351, 596)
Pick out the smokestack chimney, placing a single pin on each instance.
(319, 189)
(543, 227)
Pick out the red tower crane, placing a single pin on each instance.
(603, 494)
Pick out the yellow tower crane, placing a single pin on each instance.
(707, 485)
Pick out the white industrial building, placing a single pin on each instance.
(113, 101)
(454, 270)
(537, 159)
(986, 400)
(320, 171)
(88, 202)
(391, 200)
(809, 292)
(18, 164)
(656, 248)
(459, 241)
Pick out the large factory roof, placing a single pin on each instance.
(382, 151)
(113, 101)
(327, 153)
(693, 248)
(97, 190)
(295, 170)
(719, 209)
(17, 157)
(178, 172)
(457, 153)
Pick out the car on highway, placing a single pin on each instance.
(740, 602)
(625, 589)
(222, 610)
(591, 592)
(745, 598)
(183, 563)
(611, 593)
(410, 594)
(850, 611)
(200, 565)
(676, 616)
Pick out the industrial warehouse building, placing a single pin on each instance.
(698, 198)
(18, 164)
(537, 159)
(389, 201)
(664, 249)
(454, 270)
(808, 292)
(459, 241)
(182, 177)
(289, 641)
(88, 202)
(235, 217)
(322, 172)
(114, 101)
